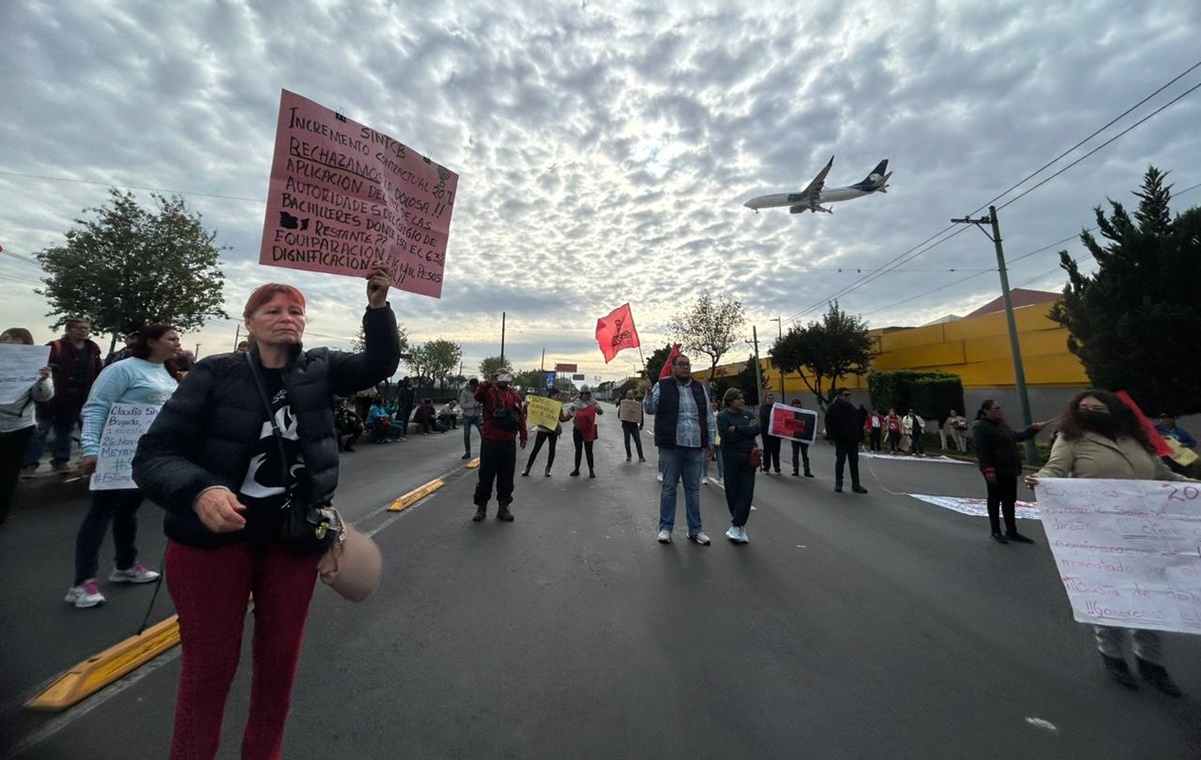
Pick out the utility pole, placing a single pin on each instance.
(758, 376)
(196, 355)
(1019, 371)
(780, 335)
(542, 366)
(502, 338)
(237, 336)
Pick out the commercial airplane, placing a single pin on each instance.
(811, 198)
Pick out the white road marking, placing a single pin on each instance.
(1045, 725)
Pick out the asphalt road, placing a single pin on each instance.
(851, 626)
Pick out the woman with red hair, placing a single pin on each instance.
(228, 469)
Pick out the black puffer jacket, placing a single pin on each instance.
(204, 434)
(842, 423)
(997, 447)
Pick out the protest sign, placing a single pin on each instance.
(118, 443)
(792, 423)
(543, 411)
(629, 410)
(967, 505)
(1128, 551)
(19, 367)
(343, 196)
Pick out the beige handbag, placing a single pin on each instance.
(352, 566)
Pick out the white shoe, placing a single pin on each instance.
(665, 536)
(734, 535)
(705, 481)
(700, 538)
(86, 594)
(659, 477)
(139, 573)
(742, 536)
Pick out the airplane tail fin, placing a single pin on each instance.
(875, 181)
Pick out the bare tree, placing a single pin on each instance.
(711, 326)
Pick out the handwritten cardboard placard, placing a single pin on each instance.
(793, 423)
(543, 411)
(19, 367)
(629, 410)
(123, 429)
(343, 196)
(1128, 551)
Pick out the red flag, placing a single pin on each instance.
(671, 357)
(616, 332)
(1161, 447)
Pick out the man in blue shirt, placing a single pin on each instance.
(683, 437)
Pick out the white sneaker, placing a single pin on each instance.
(705, 481)
(665, 536)
(742, 536)
(86, 594)
(733, 535)
(139, 573)
(659, 477)
(700, 538)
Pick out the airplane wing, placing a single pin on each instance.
(814, 188)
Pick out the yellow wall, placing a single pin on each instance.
(975, 348)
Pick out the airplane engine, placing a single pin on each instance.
(798, 209)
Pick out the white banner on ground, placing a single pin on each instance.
(125, 425)
(1025, 510)
(1128, 551)
(19, 367)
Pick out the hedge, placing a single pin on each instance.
(931, 394)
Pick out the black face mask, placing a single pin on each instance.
(1100, 422)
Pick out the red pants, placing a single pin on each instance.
(211, 588)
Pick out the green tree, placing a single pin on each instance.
(655, 362)
(711, 326)
(441, 357)
(360, 341)
(490, 366)
(746, 383)
(1136, 323)
(130, 267)
(837, 346)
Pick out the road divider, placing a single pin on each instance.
(416, 495)
(94, 673)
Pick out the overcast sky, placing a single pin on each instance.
(605, 149)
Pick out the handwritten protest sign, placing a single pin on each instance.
(19, 367)
(793, 423)
(629, 411)
(543, 411)
(343, 196)
(118, 443)
(1128, 551)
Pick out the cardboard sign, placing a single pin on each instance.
(123, 429)
(629, 411)
(543, 411)
(792, 423)
(1128, 551)
(343, 196)
(19, 367)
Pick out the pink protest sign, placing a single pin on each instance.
(343, 196)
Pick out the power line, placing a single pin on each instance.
(914, 252)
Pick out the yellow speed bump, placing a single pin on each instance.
(473, 463)
(416, 495)
(94, 673)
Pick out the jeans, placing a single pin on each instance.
(498, 460)
(60, 452)
(1002, 497)
(550, 439)
(121, 508)
(581, 447)
(476, 422)
(847, 452)
(874, 437)
(919, 446)
(680, 463)
(800, 451)
(210, 588)
(630, 430)
(12, 451)
(740, 485)
(771, 453)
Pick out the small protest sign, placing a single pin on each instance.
(123, 429)
(19, 367)
(543, 411)
(1127, 550)
(343, 196)
(629, 411)
(793, 423)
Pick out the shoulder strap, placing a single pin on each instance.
(275, 431)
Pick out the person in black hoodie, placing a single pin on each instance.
(997, 454)
(213, 460)
(771, 444)
(843, 426)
